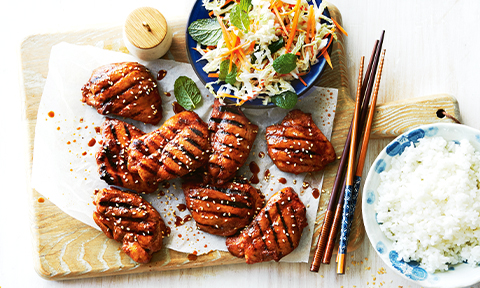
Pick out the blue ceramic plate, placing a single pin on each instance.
(199, 12)
(460, 275)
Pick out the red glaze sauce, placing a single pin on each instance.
(177, 108)
(282, 180)
(92, 142)
(161, 74)
(181, 207)
(316, 193)
(51, 114)
(255, 170)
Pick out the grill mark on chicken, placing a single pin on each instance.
(223, 202)
(232, 122)
(196, 131)
(285, 228)
(226, 108)
(191, 141)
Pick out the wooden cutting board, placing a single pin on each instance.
(66, 248)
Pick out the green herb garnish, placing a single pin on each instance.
(277, 45)
(285, 63)
(285, 100)
(187, 93)
(239, 15)
(205, 31)
(223, 75)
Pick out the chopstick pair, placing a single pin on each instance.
(329, 230)
(353, 182)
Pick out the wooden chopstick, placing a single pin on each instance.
(329, 214)
(338, 211)
(351, 189)
(351, 162)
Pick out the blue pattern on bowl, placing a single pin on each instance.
(398, 145)
(432, 131)
(370, 197)
(410, 269)
(477, 137)
(381, 247)
(380, 166)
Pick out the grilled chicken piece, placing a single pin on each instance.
(297, 145)
(222, 209)
(232, 139)
(112, 156)
(178, 147)
(126, 89)
(274, 232)
(126, 217)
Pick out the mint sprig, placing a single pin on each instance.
(187, 93)
(239, 15)
(285, 63)
(285, 100)
(205, 31)
(224, 75)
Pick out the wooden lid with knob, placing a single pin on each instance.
(145, 28)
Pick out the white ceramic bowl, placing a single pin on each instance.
(460, 275)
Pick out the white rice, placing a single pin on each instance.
(429, 203)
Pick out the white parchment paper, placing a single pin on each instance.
(64, 167)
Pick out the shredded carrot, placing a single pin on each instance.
(301, 80)
(196, 49)
(235, 49)
(212, 75)
(339, 27)
(298, 53)
(228, 95)
(226, 35)
(294, 26)
(290, 28)
(324, 49)
(327, 57)
(280, 20)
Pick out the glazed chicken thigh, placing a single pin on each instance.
(177, 148)
(126, 89)
(232, 140)
(274, 232)
(297, 145)
(222, 209)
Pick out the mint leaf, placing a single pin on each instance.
(277, 45)
(285, 63)
(285, 100)
(205, 31)
(223, 75)
(239, 15)
(187, 93)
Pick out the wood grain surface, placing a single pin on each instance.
(66, 248)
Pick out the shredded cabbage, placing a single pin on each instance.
(256, 76)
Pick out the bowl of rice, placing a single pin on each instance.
(421, 205)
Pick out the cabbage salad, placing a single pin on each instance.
(255, 48)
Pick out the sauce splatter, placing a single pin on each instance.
(266, 174)
(97, 130)
(316, 193)
(92, 142)
(282, 180)
(51, 114)
(255, 170)
(305, 185)
(179, 235)
(81, 120)
(181, 207)
(166, 185)
(41, 200)
(68, 142)
(84, 153)
(261, 154)
(58, 128)
(193, 256)
(167, 94)
(161, 74)
(187, 218)
(169, 230)
(178, 221)
(177, 108)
